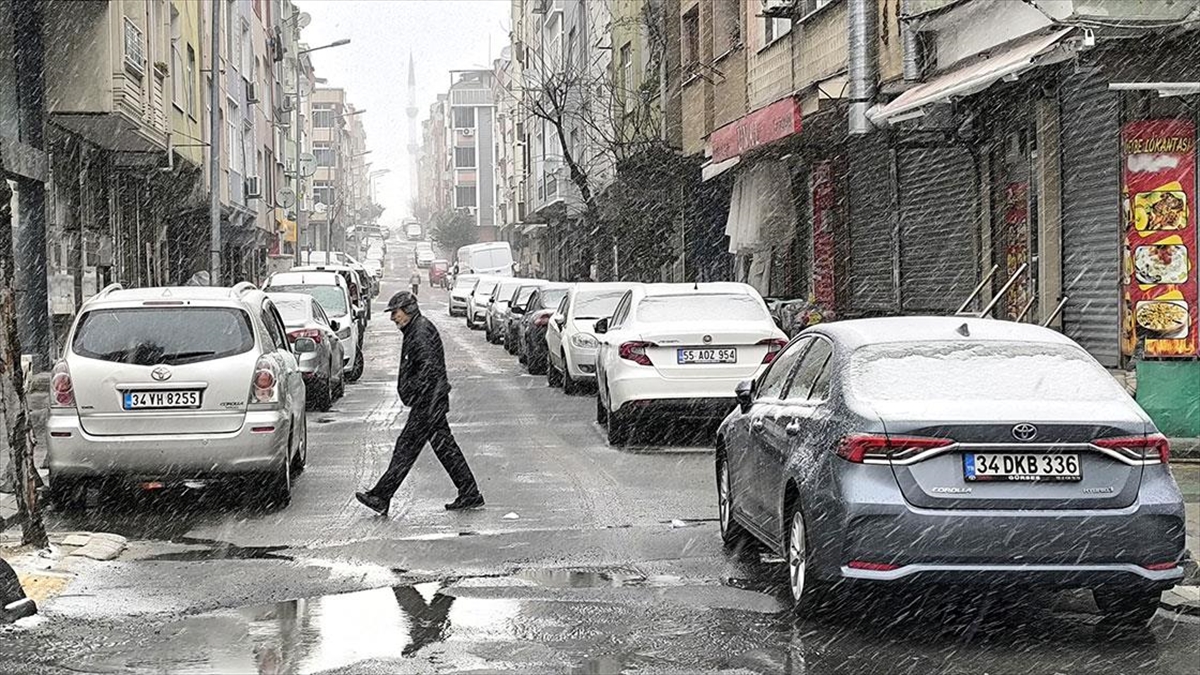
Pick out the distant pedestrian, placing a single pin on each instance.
(415, 281)
(425, 389)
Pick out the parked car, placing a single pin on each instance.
(330, 289)
(898, 450)
(360, 301)
(478, 304)
(498, 309)
(571, 342)
(171, 384)
(532, 327)
(516, 307)
(679, 350)
(460, 294)
(438, 273)
(423, 252)
(322, 368)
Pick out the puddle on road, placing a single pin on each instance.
(218, 550)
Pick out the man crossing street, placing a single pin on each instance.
(424, 387)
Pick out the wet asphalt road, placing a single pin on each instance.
(585, 560)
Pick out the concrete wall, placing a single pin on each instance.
(820, 45)
(187, 128)
(81, 53)
(769, 66)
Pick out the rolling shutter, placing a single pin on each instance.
(871, 289)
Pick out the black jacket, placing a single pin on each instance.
(422, 382)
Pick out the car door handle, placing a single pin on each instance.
(793, 428)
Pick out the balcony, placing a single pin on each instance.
(108, 82)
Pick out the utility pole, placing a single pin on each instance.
(214, 148)
(12, 385)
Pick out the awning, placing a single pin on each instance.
(713, 169)
(973, 78)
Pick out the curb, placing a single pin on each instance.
(1185, 448)
(1182, 600)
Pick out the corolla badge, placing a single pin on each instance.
(161, 373)
(1024, 432)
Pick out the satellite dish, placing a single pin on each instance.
(304, 20)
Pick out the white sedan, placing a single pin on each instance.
(680, 350)
(570, 336)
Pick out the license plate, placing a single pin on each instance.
(1018, 467)
(136, 400)
(727, 355)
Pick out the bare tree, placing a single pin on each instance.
(12, 385)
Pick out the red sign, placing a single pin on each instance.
(766, 125)
(1158, 271)
(824, 202)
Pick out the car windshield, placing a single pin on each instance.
(980, 371)
(331, 298)
(700, 307)
(172, 335)
(596, 304)
(485, 288)
(552, 297)
(293, 311)
(505, 290)
(523, 294)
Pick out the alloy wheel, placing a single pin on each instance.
(797, 557)
(724, 505)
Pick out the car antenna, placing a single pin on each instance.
(696, 284)
(964, 330)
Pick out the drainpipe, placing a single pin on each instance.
(911, 43)
(863, 63)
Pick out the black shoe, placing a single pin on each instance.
(468, 502)
(376, 504)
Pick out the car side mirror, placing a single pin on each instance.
(304, 345)
(517, 309)
(745, 394)
(601, 326)
(560, 320)
(333, 324)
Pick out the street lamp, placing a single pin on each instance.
(299, 195)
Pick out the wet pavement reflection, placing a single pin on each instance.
(620, 620)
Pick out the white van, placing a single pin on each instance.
(493, 258)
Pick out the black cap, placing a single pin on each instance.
(404, 300)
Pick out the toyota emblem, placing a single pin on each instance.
(1024, 432)
(707, 339)
(161, 373)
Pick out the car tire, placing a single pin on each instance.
(300, 458)
(68, 495)
(1126, 607)
(356, 370)
(808, 592)
(537, 364)
(279, 486)
(618, 428)
(553, 375)
(569, 385)
(733, 535)
(340, 391)
(601, 413)
(322, 398)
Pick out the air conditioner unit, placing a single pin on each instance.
(472, 210)
(253, 187)
(252, 92)
(778, 8)
(467, 132)
(287, 103)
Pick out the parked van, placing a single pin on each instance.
(492, 258)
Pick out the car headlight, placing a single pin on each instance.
(584, 341)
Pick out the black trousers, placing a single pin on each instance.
(426, 425)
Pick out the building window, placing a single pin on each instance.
(464, 196)
(464, 118)
(571, 46)
(727, 26)
(325, 155)
(178, 79)
(625, 68)
(323, 193)
(807, 7)
(191, 81)
(323, 115)
(774, 28)
(691, 37)
(464, 158)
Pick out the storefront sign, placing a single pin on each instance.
(778, 120)
(824, 201)
(1158, 276)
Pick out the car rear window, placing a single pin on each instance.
(147, 336)
(331, 298)
(701, 307)
(293, 312)
(485, 288)
(981, 371)
(597, 304)
(552, 297)
(505, 291)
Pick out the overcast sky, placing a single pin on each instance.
(443, 35)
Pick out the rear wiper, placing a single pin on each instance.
(177, 356)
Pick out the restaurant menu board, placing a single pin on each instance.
(1158, 203)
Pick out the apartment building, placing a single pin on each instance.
(471, 134)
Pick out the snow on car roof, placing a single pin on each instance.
(727, 287)
(859, 332)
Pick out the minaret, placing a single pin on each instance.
(414, 147)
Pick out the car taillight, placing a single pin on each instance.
(314, 333)
(774, 346)
(263, 386)
(636, 352)
(1154, 447)
(859, 448)
(62, 389)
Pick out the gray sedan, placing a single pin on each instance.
(957, 451)
(324, 377)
